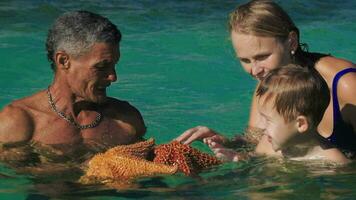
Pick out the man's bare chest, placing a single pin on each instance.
(108, 132)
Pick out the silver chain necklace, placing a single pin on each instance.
(70, 119)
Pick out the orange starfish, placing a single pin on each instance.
(126, 162)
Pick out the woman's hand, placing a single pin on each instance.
(196, 133)
(214, 141)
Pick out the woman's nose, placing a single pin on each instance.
(257, 71)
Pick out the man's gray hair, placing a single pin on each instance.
(76, 32)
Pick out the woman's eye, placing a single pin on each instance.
(262, 57)
(245, 60)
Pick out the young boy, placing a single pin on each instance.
(291, 102)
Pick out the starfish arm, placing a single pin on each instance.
(188, 159)
(204, 160)
(139, 149)
(103, 168)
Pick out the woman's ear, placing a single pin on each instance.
(302, 124)
(62, 60)
(293, 41)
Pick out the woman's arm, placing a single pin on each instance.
(347, 98)
(254, 115)
(328, 67)
(196, 133)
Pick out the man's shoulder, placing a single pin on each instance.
(119, 105)
(17, 108)
(16, 119)
(124, 111)
(16, 123)
(28, 102)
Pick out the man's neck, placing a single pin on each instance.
(62, 97)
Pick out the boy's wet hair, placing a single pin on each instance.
(296, 90)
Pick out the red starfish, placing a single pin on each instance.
(189, 160)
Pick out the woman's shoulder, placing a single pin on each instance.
(329, 66)
(334, 63)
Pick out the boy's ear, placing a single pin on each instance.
(302, 123)
(62, 60)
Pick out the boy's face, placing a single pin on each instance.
(279, 132)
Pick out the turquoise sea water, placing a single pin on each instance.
(178, 68)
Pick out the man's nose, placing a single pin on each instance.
(112, 75)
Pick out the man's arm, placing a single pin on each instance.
(16, 128)
(137, 121)
(16, 125)
(124, 111)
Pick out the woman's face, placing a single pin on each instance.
(258, 55)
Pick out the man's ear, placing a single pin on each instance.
(62, 60)
(302, 123)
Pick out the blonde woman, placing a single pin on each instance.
(264, 38)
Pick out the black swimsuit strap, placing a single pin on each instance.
(336, 108)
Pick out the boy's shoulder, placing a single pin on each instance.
(335, 155)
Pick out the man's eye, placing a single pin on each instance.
(101, 69)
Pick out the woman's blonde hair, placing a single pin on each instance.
(267, 19)
(262, 18)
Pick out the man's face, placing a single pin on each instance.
(279, 132)
(91, 73)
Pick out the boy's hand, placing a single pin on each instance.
(215, 143)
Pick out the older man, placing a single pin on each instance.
(74, 110)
